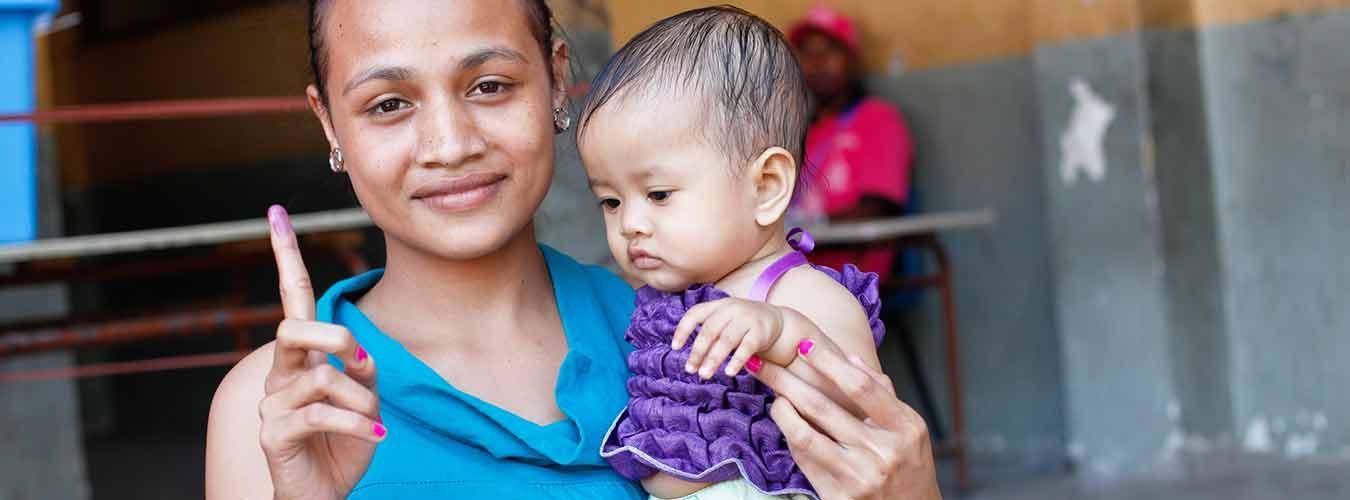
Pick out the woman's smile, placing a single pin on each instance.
(459, 194)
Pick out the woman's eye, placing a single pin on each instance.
(389, 106)
(658, 196)
(489, 88)
(609, 203)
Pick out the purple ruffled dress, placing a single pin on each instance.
(713, 430)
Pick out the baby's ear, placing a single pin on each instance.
(775, 177)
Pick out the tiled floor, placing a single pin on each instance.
(172, 468)
(1210, 477)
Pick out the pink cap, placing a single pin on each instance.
(824, 19)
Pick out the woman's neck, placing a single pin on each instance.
(420, 289)
(839, 103)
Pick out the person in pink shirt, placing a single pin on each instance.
(858, 149)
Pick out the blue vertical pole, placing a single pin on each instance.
(18, 141)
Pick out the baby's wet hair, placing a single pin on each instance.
(738, 62)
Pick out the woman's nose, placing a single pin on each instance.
(447, 136)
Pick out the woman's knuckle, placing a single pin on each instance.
(286, 332)
(870, 484)
(888, 459)
(267, 407)
(324, 375)
(346, 342)
(856, 387)
(798, 437)
(814, 404)
(313, 415)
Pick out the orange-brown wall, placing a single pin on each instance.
(934, 33)
(260, 51)
(256, 51)
(253, 51)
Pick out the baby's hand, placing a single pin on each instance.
(746, 326)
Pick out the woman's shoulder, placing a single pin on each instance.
(613, 293)
(875, 109)
(243, 385)
(235, 465)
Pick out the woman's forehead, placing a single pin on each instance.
(359, 35)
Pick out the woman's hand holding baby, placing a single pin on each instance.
(884, 453)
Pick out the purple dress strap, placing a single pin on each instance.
(800, 246)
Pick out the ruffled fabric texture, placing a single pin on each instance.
(706, 431)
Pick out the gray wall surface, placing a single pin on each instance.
(1278, 103)
(977, 146)
(1108, 268)
(1192, 299)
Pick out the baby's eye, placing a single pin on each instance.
(658, 196)
(609, 204)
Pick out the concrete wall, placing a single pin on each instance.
(1105, 240)
(987, 154)
(1278, 103)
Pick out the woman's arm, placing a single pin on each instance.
(235, 465)
(286, 424)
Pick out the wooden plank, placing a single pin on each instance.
(176, 237)
(889, 228)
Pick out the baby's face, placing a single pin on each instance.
(675, 212)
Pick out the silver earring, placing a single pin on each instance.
(562, 120)
(335, 160)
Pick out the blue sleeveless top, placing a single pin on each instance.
(444, 443)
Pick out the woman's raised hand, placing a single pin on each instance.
(319, 425)
(886, 455)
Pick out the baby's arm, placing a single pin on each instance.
(805, 305)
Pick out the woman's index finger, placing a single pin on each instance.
(297, 294)
(875, 398)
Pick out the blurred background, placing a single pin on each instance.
(1159, 307)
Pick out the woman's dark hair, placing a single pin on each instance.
(540, 18)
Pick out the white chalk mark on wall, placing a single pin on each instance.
(1257, 438)
(1082, 145)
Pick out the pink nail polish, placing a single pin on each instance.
(361, 354)
(281, 222)
(806, 346)
(753, 364)
(378, 429)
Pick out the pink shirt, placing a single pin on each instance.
(864, 151)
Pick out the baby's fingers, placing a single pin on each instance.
(733, 335)
(711, 330)
(694, 317)
(741, 358)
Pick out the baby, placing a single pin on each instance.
(690, 138)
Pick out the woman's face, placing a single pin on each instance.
(825, 64)
(443, 111)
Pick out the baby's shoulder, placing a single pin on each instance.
(809, 290)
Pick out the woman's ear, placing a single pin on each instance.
(562, 64)
(774, 175)
(321, 112)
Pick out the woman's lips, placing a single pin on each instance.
(459, 194)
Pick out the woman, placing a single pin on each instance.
(500, 361)
(859, 145)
